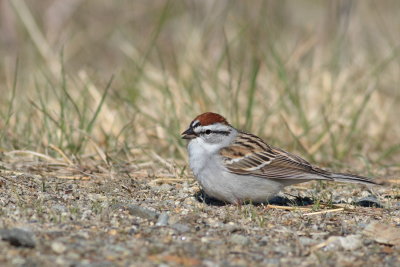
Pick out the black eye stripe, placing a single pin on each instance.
(215, 132)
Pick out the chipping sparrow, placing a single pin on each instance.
(234, 166)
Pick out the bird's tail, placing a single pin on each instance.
(351, 178)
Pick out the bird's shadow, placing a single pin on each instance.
(201, 196)
(298, 201)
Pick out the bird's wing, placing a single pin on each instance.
(249, 155)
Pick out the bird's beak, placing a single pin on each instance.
(189, 134)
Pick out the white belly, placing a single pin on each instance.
(222, 185)
(238, 188)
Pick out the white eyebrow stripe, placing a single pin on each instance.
(218, 128)
(195, 123)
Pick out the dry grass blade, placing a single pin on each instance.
(324, 211)
(59, 151)
(163, 161)
(33, 153)
(100, 152)
(74, 177)
(287, 207)
(322, 244)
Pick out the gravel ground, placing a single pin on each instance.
(57, 215)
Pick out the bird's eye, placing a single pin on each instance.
(208, 132)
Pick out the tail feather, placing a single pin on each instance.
(351, 178)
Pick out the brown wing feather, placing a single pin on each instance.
(249, 155)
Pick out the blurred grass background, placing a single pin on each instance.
(122, 79)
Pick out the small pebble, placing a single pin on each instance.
(350, 242)
(58, 247)
(113, 232)
(306, 241)
(59, 208)
(239, 239)
(60, 261)
(162, 219)
(141, 212)
(182, 228)
(165, 188)
(18, 261)
(18, 237)
(265, 240)
(208, 263)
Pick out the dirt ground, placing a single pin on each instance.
(57, 215)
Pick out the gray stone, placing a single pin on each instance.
(18, 261)
(306, 241)
(165, 188)
(162, 219)
(94, 264)
(58, 247)
(272, 262)
(208, 263)
(350, 242)
(18, 237)
(142, 212)
(239, 239)
(231, 227)
(265, 240)
(59, 208)
(182, 228)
